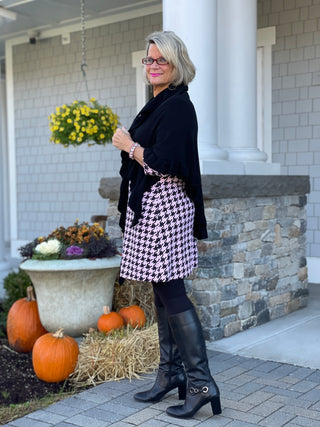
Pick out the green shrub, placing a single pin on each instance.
(3, 323)
(15, 284)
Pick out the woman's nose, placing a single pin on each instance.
(155, 65)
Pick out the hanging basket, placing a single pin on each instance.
(83, 122)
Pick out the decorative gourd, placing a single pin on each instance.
(109, 321)
(133, 316)
(54, 356)
(23, 323)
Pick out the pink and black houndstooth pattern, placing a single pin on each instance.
(161, 247)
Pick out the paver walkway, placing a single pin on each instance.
(254, 393)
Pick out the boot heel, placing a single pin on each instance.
(182, 390)
(216, 405)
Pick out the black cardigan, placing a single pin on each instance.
(167, 129)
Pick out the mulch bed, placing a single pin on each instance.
(18, 382)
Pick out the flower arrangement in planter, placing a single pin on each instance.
(82, 122)
(75, 242)
(72, 270)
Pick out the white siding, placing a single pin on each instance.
(57, 185)
(296, 97)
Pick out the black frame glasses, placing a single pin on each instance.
(149, 61)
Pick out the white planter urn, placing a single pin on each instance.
(71, 293)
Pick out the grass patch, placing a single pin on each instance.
(12, 412)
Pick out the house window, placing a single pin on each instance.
(142, 89)
(266, 37)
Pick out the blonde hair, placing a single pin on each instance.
(175, 52)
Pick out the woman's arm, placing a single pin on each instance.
(122, 140)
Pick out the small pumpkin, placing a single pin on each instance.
(133, 316)
(109, 321)
(54, 356)
(23, 323)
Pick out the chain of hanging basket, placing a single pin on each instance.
(83, 122)
(83, 44)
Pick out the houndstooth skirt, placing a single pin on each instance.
(161, 246)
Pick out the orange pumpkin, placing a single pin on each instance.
(133, 316)
(55, 356)
(109, 321)
(23, 323)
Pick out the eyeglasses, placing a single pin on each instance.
(149, 61)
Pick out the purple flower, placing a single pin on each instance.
(74, 250)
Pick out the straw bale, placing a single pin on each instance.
(127, 353)
(134, 292)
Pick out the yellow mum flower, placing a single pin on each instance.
(82, 122)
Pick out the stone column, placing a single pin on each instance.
(237, 77)
(195, 23)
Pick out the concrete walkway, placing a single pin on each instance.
(266, 375)
(294, 338)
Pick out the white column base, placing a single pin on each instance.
(247, 155)
(15, 245)
(4, 271)
(260, 168)
(313, 264)
(4, 265)
(220, 167)
(207, 151)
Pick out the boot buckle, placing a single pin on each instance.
(194, 390)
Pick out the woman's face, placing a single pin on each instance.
(159, 76)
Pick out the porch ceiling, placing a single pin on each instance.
(40, 15)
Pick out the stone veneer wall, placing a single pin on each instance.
(252, 268)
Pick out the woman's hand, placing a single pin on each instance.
(122, 140)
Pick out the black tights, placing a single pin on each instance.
(171, 295)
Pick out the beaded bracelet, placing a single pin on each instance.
(133, 147)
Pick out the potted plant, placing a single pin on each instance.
(73, 271)
(82, 122)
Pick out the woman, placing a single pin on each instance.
(162, 214)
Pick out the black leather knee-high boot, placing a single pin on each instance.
(201, 389)
(171, 373)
